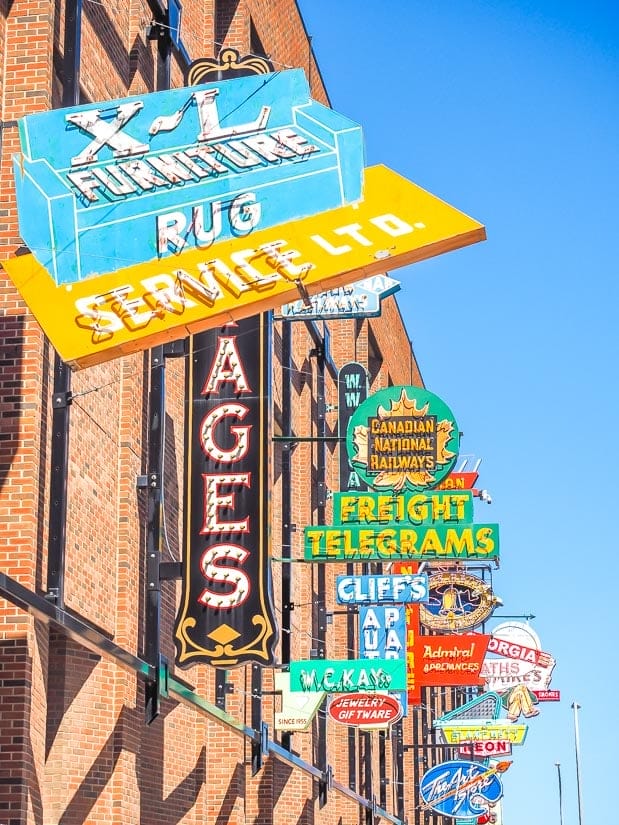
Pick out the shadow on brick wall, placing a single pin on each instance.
(151, 765)
(69, 667)
(235, 790)
(307, 816)
(18, 776)
(273, 780)
(11, 350)
(126, 62)
(15, 406)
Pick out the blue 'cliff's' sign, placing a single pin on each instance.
(108, 185)
(378, 589)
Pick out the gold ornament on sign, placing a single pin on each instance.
(226, 65)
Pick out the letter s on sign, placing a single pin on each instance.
(233, 576)
(92, 317)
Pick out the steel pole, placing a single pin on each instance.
(558, 764)
(576, 707)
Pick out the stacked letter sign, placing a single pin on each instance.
(226, 614)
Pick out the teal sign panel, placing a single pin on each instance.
(349, 676)
(394, 542)
(104, 186)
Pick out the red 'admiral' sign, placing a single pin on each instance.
(450, 659)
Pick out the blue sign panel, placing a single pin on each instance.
(376, 589)
(461, 789)
(104, 186)
(382, 632)
(361, 299)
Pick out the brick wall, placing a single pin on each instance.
(74, 746)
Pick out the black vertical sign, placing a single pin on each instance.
(226, 615)
(352, 391)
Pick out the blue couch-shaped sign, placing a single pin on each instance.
(107, 185)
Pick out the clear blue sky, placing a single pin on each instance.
(509, 111)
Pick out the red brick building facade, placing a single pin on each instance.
(74, 745)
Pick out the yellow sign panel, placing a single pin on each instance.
(461, 733)
(106, 316)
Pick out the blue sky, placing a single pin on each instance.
(509, 111)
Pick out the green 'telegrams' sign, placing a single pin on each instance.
(395, 542)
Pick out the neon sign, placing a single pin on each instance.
(104, 186)
(462, 789)
(103, 317)
(226, 614)
(403, 438)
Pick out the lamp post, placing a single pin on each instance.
(575, 707)
(558, 764)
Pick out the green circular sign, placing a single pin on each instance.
(402, 438)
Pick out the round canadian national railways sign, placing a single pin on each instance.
(402, 438)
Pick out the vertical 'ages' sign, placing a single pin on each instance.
(226, 613)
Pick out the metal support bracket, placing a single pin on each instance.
(176, 349)
(153, 574)
(322, 617)
(318, 351)
(323, 494)
(264, 739)
(155, 31)
(170, 570)
(323, 785)
(151, 481)
(222, 689)
(296, 439)
(163, 673)
(60, 400)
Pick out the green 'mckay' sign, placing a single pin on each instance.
(349, 676)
